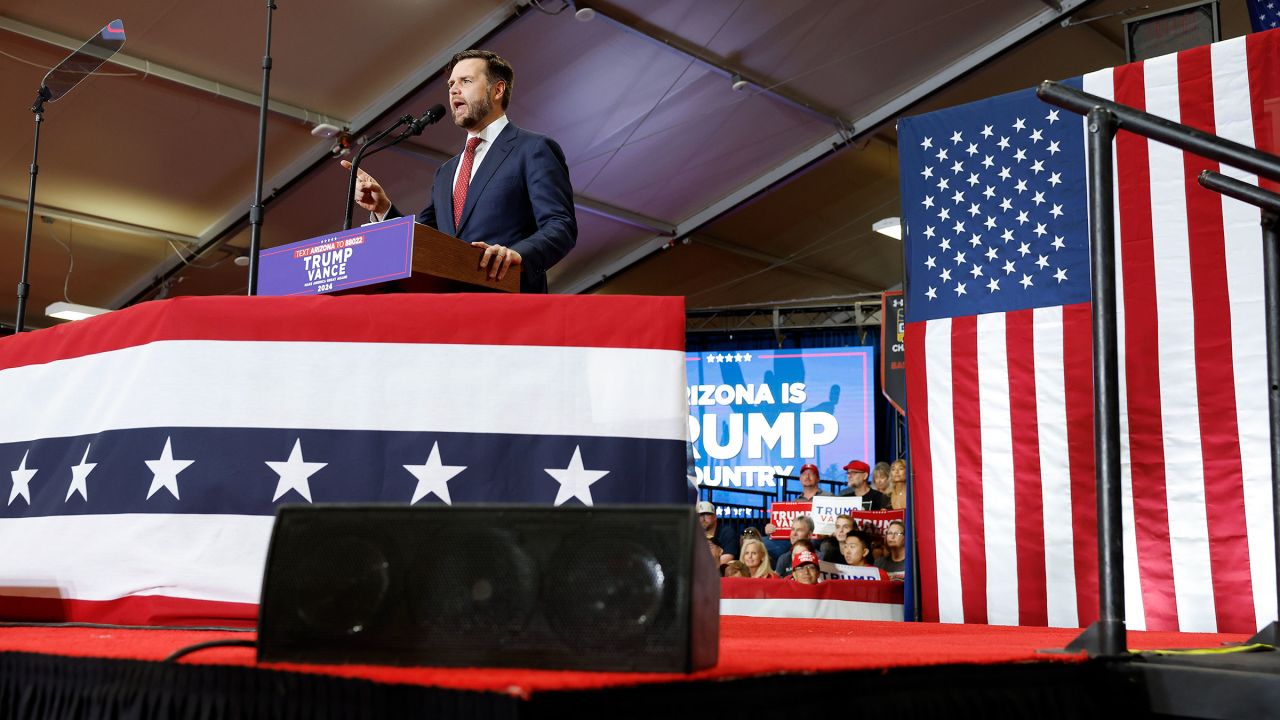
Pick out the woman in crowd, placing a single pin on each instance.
(756, 559)
(736, 569)
(895, 541)
(898, 484)
(880, 477)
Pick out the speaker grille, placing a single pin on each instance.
(520, 586)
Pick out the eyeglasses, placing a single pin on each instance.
(894, 533)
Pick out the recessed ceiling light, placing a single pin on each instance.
(73, 311)
(889, 226)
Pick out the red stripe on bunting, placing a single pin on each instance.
(1215, 370)
(599, 321)
(1142, 362)
(144, 610)
(1028, 495)
(920, 484)
(1077, 339)
(967, 416)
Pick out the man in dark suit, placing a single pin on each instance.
(508, 192)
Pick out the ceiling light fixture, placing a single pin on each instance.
(891, 226)
(737, 83)
(585, 14)
(73, 311)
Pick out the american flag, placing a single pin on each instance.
(1263, 14)
(146, 450)
(999, 355)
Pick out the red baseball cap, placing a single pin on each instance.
(858, 466)
(804, 557)
(809, 466)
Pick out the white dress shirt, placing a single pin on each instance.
(487, 136)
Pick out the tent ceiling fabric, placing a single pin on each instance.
(654, 136)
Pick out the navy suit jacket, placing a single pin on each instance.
(519, 197)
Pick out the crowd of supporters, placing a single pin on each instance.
(850, 549)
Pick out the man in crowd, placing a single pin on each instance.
(508, 192)
(721, 535)
(856, 474)
(809, 483)
(801, 532)
(829, 548)
(806, 568)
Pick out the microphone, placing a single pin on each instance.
(787, 477)
(430, 117)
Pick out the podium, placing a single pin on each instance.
(391, 256)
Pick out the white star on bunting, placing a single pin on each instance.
(433, 477)
(164, 471)
(575, 480)
(22, 480)
(79, 474)
(295, 473)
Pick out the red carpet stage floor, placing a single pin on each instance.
(919, 669)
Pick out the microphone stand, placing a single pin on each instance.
(360, 154)
(255, 210)
(24, 288)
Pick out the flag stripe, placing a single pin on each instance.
(1245, 280)
(921, 484)
(1102, 83)
(271, 379)
(942, 451)
(967, 413)
(996, 441)
(1019, 344)
(1142, 369)
(103, 557)
(468, 319)
(1077, 347)
(1057, 600)
(1178, 387)
(1223, 493)
(134, 610)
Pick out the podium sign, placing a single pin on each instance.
(361, 256)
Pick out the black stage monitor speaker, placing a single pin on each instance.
(629, 588)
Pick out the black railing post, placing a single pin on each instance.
(1110, 637)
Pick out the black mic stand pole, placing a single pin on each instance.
(24, 288)
(255, 210)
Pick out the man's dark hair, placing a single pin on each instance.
(496, 68)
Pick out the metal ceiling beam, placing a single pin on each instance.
(580, 201)
(851, 311)
(150, 69)
(835, 141)
(15, 204)
(653, 33)
(239, 213)
(780, 263)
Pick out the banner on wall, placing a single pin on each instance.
(893, 358)
(754, 415)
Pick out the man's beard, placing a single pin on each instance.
(475, 112)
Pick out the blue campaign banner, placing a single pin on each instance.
(373, 253)
(760, 413)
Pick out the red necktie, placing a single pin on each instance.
(464, 180)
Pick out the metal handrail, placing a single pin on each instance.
(1105, 117)
(1227, 152)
